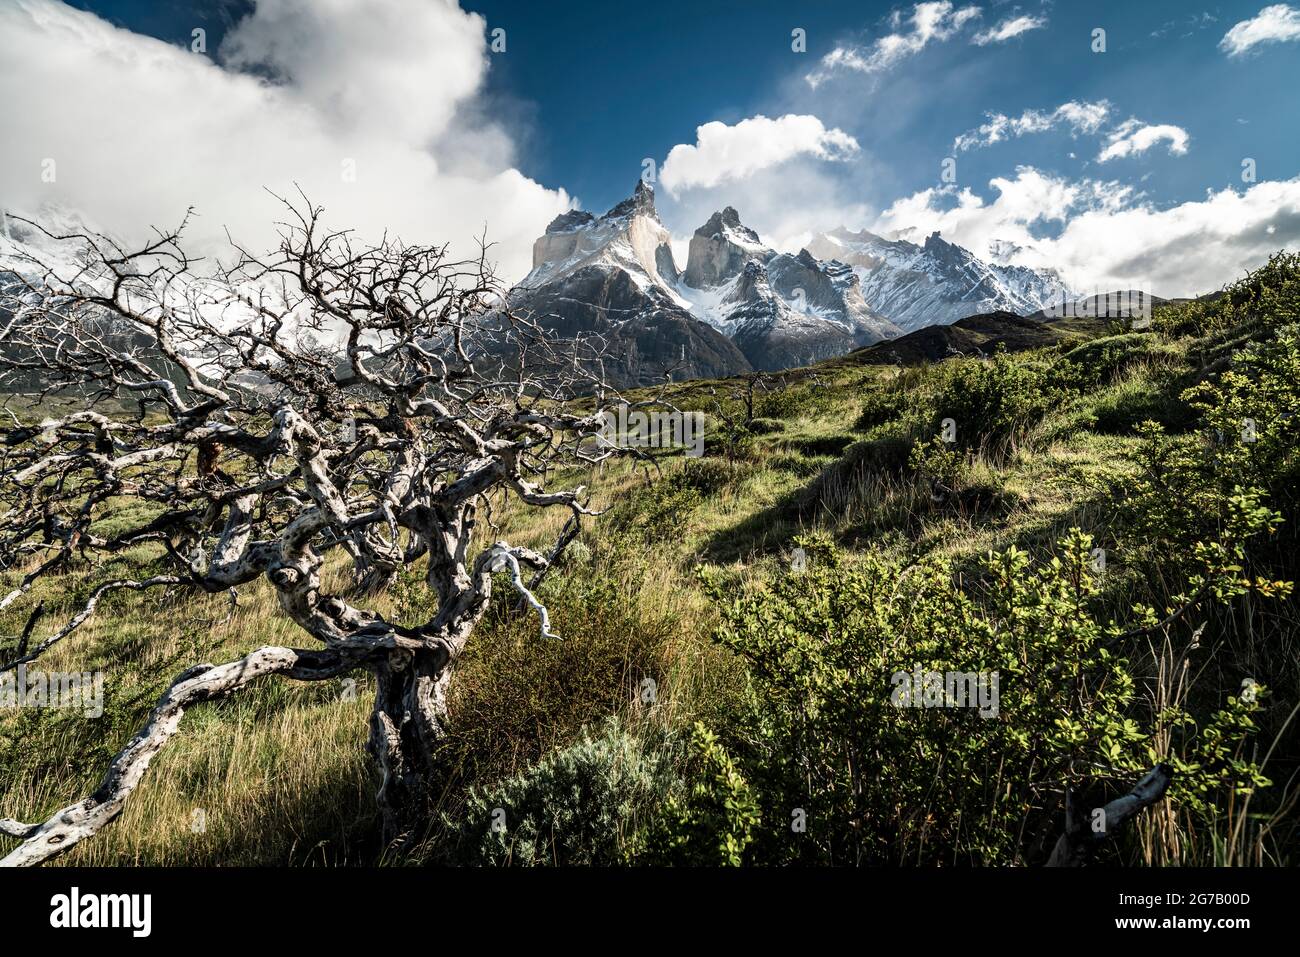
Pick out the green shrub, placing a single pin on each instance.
(791, 402)
(880, 407)
(1269, 294)
(1247, 450)
(1109, 359)
(586, 804)
(879, 783)
(937, 461)
(714, 823)
(991, 401)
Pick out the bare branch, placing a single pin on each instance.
(331, 398)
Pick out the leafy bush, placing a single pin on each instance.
(939, 463)
(1253, 412)
(1270, 294)
(992, 400)
(881, 783)
(586, 804)
(1104, 361)
(880, 407)
(791, 402)
(1246, 450)
(715, 822)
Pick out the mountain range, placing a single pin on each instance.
(739, 305)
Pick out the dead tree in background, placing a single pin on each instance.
(329, 399)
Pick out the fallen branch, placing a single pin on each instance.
(73, 824)
(1083, 835)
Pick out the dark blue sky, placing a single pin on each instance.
(992, 122)
(591, 89)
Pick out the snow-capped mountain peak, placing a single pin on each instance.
(615, 273)
(938, 282)
(720, 248)
(629, 236)
(781, 309)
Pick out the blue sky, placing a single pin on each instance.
(610, 91)
(1149, 131)
(592, 90)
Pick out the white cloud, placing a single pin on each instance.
(723, 153)
(1192, 24)
(779, 173)
(1107, 235)
(1080, 117)
(140, 129)
(1274, 24)
(935, 21)
(1031, 199)
(1011, 27)
(366, 68)
(1133, 136)
(784, 204)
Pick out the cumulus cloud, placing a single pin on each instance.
(723, 153)
(786, 205)
(342, 98)
(1133, 136)
(1274, 24)
(1107, 236)
(1031, 199)
(1079, 116)
(1011, 27)
(929, 22)
(781, 174)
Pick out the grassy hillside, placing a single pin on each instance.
(1104, 529)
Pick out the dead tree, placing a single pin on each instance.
(1084, 834)
(735, 426)
(330, 400)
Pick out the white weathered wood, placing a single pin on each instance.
(447, 399)
(76, 822)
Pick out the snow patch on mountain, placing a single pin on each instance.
(938, 282)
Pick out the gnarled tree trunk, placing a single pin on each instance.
(382, 448)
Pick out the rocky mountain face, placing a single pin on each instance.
(782, 310)
(843, 291)
(615, 274)
(738, 304)
(719, 250)
(936, 283)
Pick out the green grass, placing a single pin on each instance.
(279, 772)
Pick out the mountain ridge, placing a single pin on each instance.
(842, 291)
